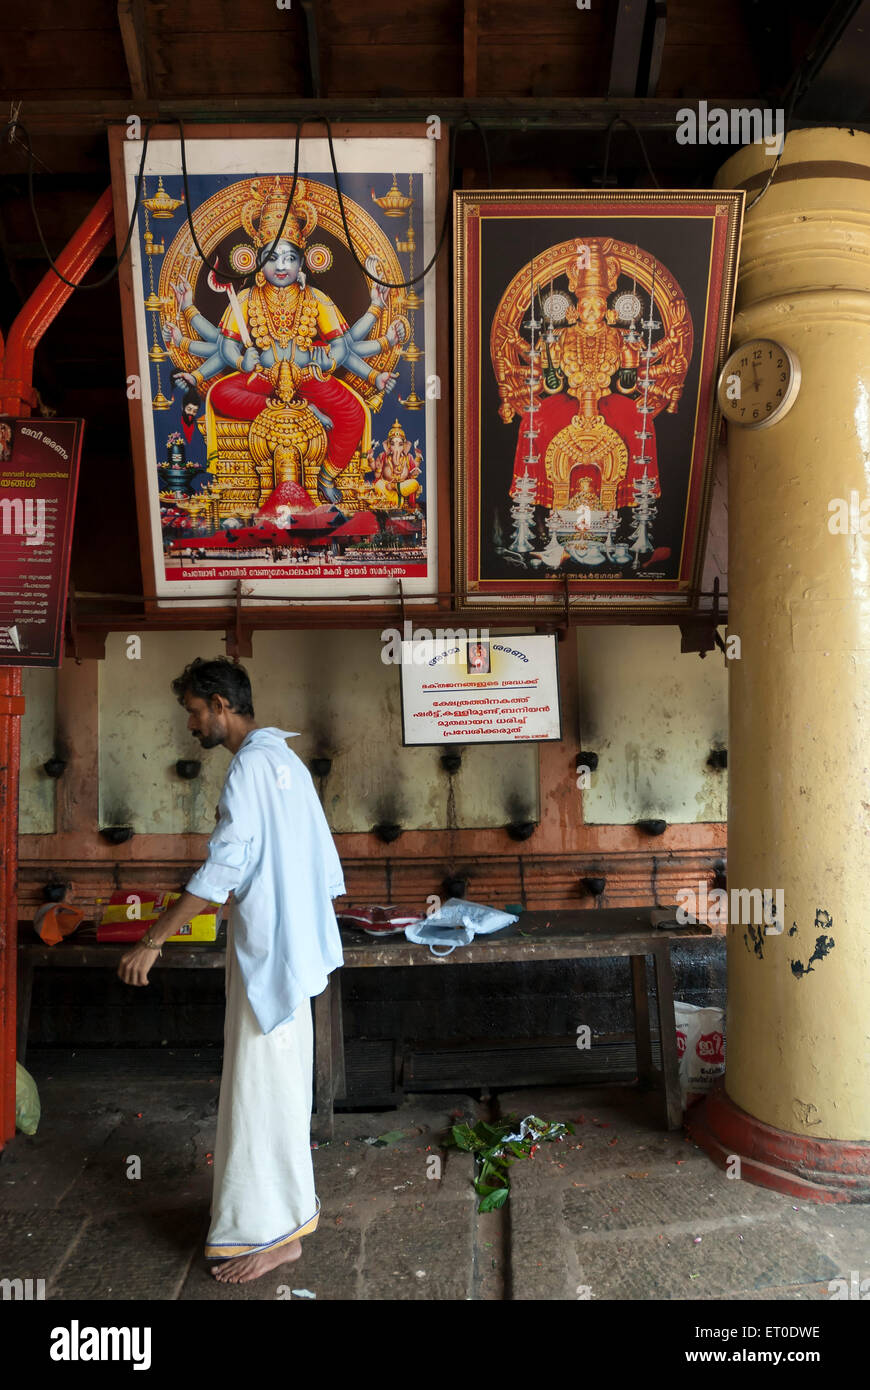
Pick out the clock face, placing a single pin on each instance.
(758, 384)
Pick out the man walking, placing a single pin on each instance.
(272, 849)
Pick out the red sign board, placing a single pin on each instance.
(39, 469)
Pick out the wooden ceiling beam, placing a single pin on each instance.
(657, 49)
(834, 71)
(625, 61)
(315, 86)
(469, 48)
(131, 22)
(512, 114)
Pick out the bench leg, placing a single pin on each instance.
(25, 992)
(337, 1026)
(668, 1035)
(324, 1079)
(643, 1044)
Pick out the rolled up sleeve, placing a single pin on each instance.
(231, 845)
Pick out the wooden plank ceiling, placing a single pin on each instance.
(545, 80)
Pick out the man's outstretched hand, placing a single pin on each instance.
(135, 964)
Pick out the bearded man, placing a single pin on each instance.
(272, 849)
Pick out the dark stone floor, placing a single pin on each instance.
(620, 1211)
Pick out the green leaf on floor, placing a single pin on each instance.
(392, 1136)
(494, 1200)
(463, 1137)
(491, 1144)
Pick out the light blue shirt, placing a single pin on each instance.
(272, 848)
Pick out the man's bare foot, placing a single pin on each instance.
(242, 1268)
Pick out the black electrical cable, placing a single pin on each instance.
(625, 121)
(386, 284)
(798, 88)
(228, 275)
(73, 284)
(406, 284)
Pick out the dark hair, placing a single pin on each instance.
(220, 676)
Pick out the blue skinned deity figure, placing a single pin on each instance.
(272, 359)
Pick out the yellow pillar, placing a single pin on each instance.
(796, 1101)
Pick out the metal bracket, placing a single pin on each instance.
(562, 629)
(239, 639)
(698, 632)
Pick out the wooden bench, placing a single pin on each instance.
(82, 951)
(555, 935)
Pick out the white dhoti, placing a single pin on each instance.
(263, 1174)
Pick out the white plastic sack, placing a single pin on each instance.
(456, 924)
(701, 1048)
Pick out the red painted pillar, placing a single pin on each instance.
(11, 709)
(17, 399)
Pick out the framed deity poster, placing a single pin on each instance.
(591, 327)
(282, 364)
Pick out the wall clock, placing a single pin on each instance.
(758, 384)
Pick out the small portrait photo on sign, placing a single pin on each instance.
(5, 441)
(478, 658)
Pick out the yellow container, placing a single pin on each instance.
(203, 927)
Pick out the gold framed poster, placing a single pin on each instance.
(590, 329)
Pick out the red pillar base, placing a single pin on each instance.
(817, 1170)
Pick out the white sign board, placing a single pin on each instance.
(490, 689)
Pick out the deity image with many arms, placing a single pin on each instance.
(272, 358)
(587, 371)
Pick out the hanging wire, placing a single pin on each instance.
(406, 284)
(796, 90)
(386, 284)
(229, 275)
(15, 125)
(625, 121)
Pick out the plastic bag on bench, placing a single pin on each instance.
(457, 923)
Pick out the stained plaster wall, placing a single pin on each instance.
(35, 787)
(333, 688)
(652, 714)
